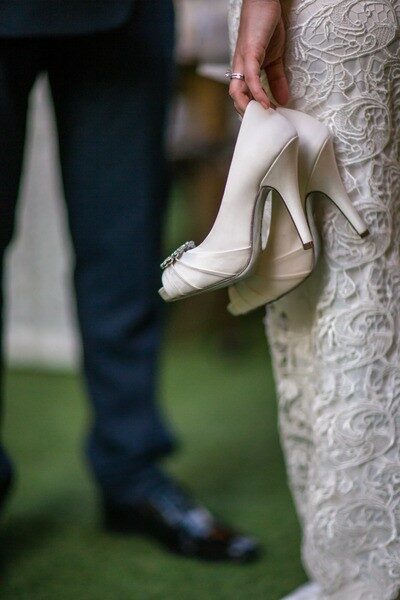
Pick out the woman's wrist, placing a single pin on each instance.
(260, 46)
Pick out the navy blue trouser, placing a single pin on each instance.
(110, 93)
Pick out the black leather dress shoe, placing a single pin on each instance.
(182, 526)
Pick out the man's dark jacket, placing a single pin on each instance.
(38, 18)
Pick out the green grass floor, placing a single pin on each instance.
(224, 410)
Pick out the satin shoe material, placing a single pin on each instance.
(265, 158)
(284, 264)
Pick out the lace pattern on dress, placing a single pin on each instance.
(335, 340)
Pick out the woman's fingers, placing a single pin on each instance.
(239, 92)
(277, 81)
(238, 89)
(243, 91)
(252, 78)
(274, 66)
(260, 45)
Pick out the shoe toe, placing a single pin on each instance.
(164, 295)
(243, 549)
(172, 285)
(238, 305)
(235, 310)
(221, 546)
(175, 284)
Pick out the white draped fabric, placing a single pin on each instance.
(335, 340)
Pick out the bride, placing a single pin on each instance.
(334, 340)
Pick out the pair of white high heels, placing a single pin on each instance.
(281, 157)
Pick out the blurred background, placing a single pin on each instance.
(216, 383)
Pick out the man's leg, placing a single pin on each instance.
(19, 64)
(111, 94)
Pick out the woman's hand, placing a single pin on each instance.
(260, 45)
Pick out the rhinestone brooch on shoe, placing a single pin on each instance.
(177, 254)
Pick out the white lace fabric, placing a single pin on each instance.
(335, 340)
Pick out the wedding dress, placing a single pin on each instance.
(335, 340)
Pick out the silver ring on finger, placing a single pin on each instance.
(234, 75)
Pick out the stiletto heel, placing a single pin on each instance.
(284, 180)
(284, 264)
(326, 179)
(265, 158)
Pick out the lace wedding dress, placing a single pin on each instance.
(335, 340)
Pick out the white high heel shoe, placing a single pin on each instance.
(265, 158)
(284, 264)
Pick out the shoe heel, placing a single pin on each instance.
(283, 178)
(326, 179)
